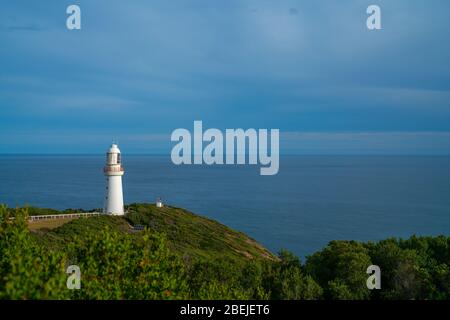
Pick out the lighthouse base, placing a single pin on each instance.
(114, 196)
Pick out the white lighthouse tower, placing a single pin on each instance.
(113, 172)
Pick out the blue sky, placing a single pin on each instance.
(140, 69)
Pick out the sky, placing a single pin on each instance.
(137, 70)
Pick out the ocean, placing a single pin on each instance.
(311, 201)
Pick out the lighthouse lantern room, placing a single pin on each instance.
(113, 171)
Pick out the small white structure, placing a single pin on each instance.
(159, 203)
(113, 171)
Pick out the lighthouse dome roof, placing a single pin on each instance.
(114, 149)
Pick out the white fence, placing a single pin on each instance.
(63, 216)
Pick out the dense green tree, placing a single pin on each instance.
(115, 266)
(340, 269)
(286, 280)
(413, 268)
(217, 279)
(252, 277)
(27, 271)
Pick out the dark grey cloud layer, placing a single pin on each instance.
(144, 68)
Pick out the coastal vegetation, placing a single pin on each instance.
(179, 255)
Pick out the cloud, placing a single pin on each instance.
(414, 143)
(13, 28)
(360, 97)
(86, 141)
(297, 66)
(312, 143)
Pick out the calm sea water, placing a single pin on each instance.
(313, 199)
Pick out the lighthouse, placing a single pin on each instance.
(113, 171)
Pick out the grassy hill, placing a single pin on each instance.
(188, 235)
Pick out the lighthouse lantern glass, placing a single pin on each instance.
(110, 158)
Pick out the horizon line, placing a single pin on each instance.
(281, 154)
